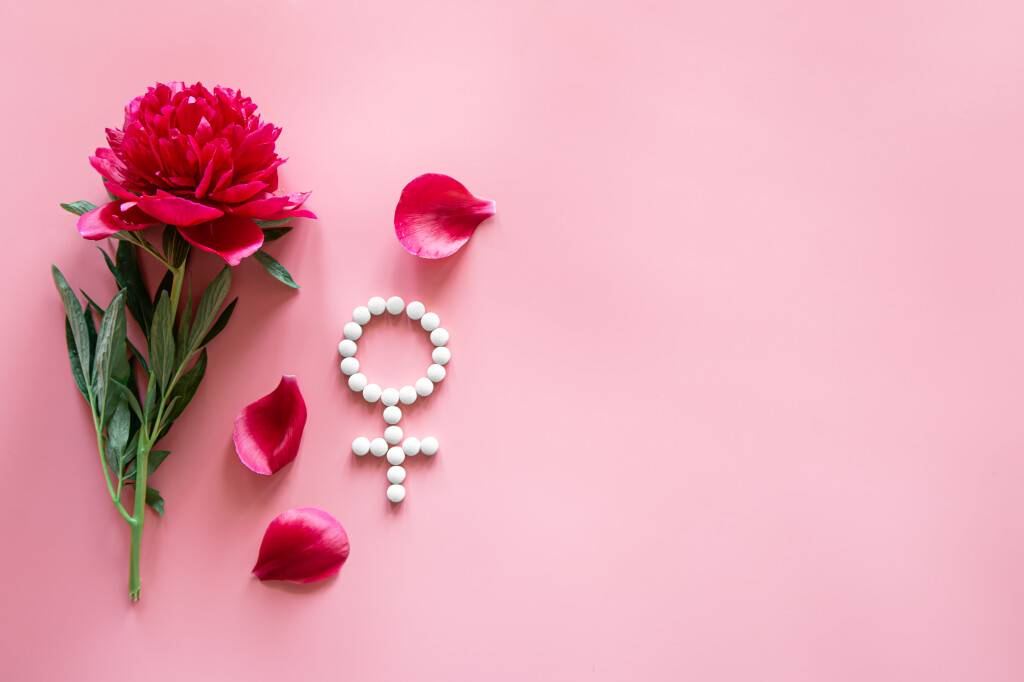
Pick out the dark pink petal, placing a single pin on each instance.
(113, 217)
(436, 215)
(173, 210)
(268, 432)
(301, 546)
(239, 193)
(231, 237)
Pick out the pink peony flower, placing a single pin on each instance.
(199, 160)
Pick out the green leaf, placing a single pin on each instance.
(135, 351)
(272, 234)
(111, 361)
(209, 304)
(277, 270)
(117, 435)
(182, 394)
(270, 224)
(153, 499)
(175, 247)
(79, 207)
(76, 365)
(161, 341)
(165, 285)
(137, 296)
(129, 456)
(76, 320)
(149, 410)
(156, 458)
(221, 322)
(131, 400)
(181, 338)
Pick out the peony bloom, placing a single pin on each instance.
(199, 160)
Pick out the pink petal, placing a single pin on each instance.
(436, 215)
(301, 546)
(113, 217)
(231, 237)
(268, 432)
(173, 210)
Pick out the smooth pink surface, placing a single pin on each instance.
(737, 389)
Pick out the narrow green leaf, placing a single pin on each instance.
(161, 341)
(271, 224)
(175, 247)
(111, 361)
(76, 365)
(117, 434)
(137, 297)
(128, 457)
(165, 285)
(130, 399)
(78, 207)
(156, 458)
(149, 410)
(220, 324)
(276, 270)
(76, 320)
(272, 234)
(135, 351)
(181, 338)
(153, 499)
(209, 304)
(183, 393)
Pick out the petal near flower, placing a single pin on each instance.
(436, 215)
(173, 210)
(268, 432)
(113, 217)
(231, 237)
(301, 546)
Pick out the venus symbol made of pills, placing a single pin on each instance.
(394, 444)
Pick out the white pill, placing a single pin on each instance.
(430, 321)
(407, 395)
(395, 305)
(392, 414)
(393, 434)
(411, 446)
(379, 447)
(435, 372)
(396, 474)
(439, 336)
(415, 310)
(361, 315)
(429, 445)
(347, 348)
(377, 305)
(371, 393)
(352, 331)
(441, 355)
(424, 386)
(389, 396)
(357, 382)
(396, 493)
(361, 446)
(395, 455)
(349, 366)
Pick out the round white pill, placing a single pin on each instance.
(393, 434)
(347, 348)
(396, 493)
(361, 446)
(424, 386)
(371, 393)
(395, 305)
(411, 446)
(439, 336)
(392, 414)
(361, 315)
(441, 355)
(379, 447)
(430, 322)
(352, 331)
(429, 445)
(389, 396)
(396, 474)
(349, 366)
(407, 395)
(357, 382)
(435, 372)
(415, 310)
(377, 305)
(395, 455)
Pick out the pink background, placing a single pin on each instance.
(737, 382)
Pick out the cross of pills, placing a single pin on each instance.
(394, 445)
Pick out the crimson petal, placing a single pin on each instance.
(436, 215)
(231, 237)
(173, 210)
(268, 432)
(302, 545)
(113, 217)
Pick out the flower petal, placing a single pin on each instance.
(231, 237)
(112, 217)
(268, 432)
(436, 215)
(173, 210)
(302, 545)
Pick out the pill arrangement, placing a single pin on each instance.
(394, 445)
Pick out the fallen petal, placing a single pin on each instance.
(436, 215)
(112, 217)
(231, 237)
(302, 545)
(268, 432)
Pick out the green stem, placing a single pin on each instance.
(115, 498)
